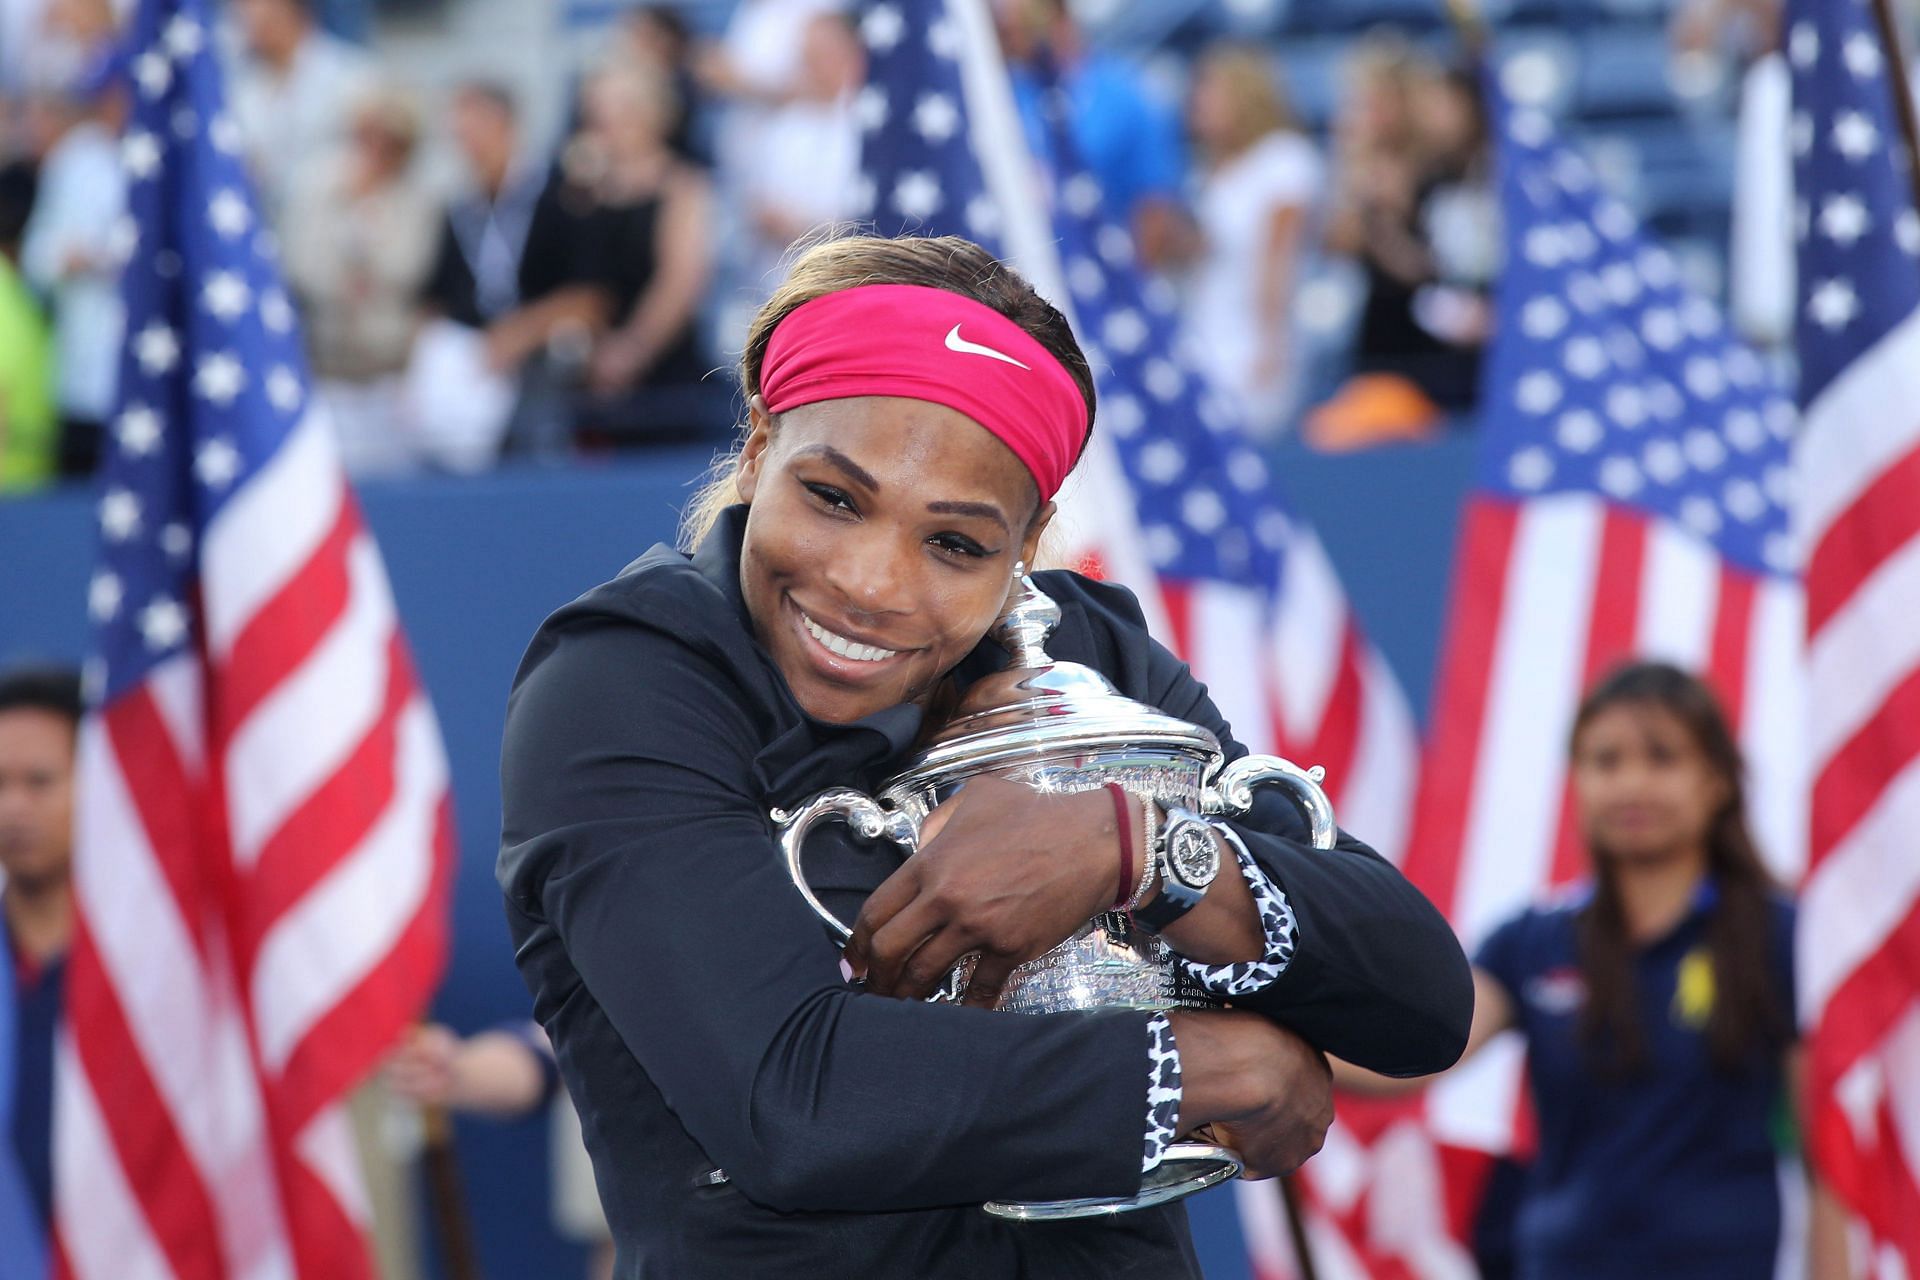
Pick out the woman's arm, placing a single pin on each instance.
(1492, 1014)
(634, 833)
(1828, 1257)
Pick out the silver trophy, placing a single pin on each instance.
(1061, 727)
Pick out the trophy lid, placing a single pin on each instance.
(1038, 707)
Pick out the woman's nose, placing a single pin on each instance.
(873, 575)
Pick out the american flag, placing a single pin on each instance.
(1858, 517)
(1169, 499)
(1631, 501)
(263, 835)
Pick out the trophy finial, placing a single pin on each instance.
(1030, 618)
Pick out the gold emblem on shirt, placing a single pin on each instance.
(1693, 989)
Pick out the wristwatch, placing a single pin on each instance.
(1188, 854)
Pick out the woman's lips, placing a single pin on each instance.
(842, 656)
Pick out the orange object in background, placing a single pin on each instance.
(1371, 409)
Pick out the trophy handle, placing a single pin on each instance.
(1231, 791)
(861, 812)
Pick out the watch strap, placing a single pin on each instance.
(1176, 897)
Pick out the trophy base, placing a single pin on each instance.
(1187, 1167)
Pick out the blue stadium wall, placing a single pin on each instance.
(476, 563)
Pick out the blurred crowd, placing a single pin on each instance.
(548, 300)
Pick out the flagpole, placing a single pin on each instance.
(458, 1256)
(1900, 87)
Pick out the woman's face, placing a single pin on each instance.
(1643, 788)
(880, 543)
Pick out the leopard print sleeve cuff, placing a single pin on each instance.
(1163, 1090)
(1276, 923)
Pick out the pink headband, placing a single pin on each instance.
(935, 345)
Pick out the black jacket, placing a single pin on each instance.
(697, 1008)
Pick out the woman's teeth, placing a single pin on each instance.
(844, 647)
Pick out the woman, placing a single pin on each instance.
(358, 244)
(1657, 1009)
(913, 407)
(1260, 180)
(652, 237)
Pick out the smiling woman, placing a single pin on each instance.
(912, 408)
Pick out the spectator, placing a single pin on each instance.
(39, 720)
(1657, 1010)
(293, 93)
(652, 213)
(1256, 204)
(29, 412)
(1125, 136)
(69, 254)
(506, 1072)
(514, 260)
(806, 176)
(656, 35)
(1416, 353)
(359, 242)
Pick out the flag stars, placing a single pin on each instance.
(1854, 135)
(1777, 550)
(871, 109)
(1803, 45)
(283, 389)
(104, 594)
(1125, 331)
(1843, 219)
(186, 121)
(983, 216)
(1704, 449)
(1584, 357)
(138, 429)
(1620, 478)
(225, 135)
(1700, 515)
(1537, 392)
(1744, 501)
(183, 37)
(1627, 406)
(153, 73)
(226, 295)
(1164, 381)
(1162, 544)
(1705, 378)
(140, 154)
(1744, 430)
(276, 312)
(1906, 232)
(1530, 468)
(883, 28)
(219, 378)
(1247, 471)
(942, 40)
(1543, 318)
(1579, 431)
(1115, 245)
(119, 515)
(1081, 194)
(1663, 461)
(1123, 415)
(156, 349)
(1833, 304)
(917, 195)
(163, 624)
(936, 118)
(1861, 53)
(1204, 511)
(1161, 462)
(217, 463)
(176, 540)
(1272, 529)
(1800, 133)
(228, 215)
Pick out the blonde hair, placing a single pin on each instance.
(1252, 87)
(849, 261)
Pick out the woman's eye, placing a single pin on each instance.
(828, 496)
(958, 544)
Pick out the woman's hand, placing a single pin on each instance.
(1260, 1088)
(1003, 870)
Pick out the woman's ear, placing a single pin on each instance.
(753, 453)
(1030, 541)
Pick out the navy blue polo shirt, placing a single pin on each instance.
(1671, 1172)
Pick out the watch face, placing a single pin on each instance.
(1192, 854)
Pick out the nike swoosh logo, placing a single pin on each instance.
(957, 343)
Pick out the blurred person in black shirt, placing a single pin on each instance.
(516, 261)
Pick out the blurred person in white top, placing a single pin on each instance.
(810, 162)
(294, 89)
(1259, 185)
(70, 254)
